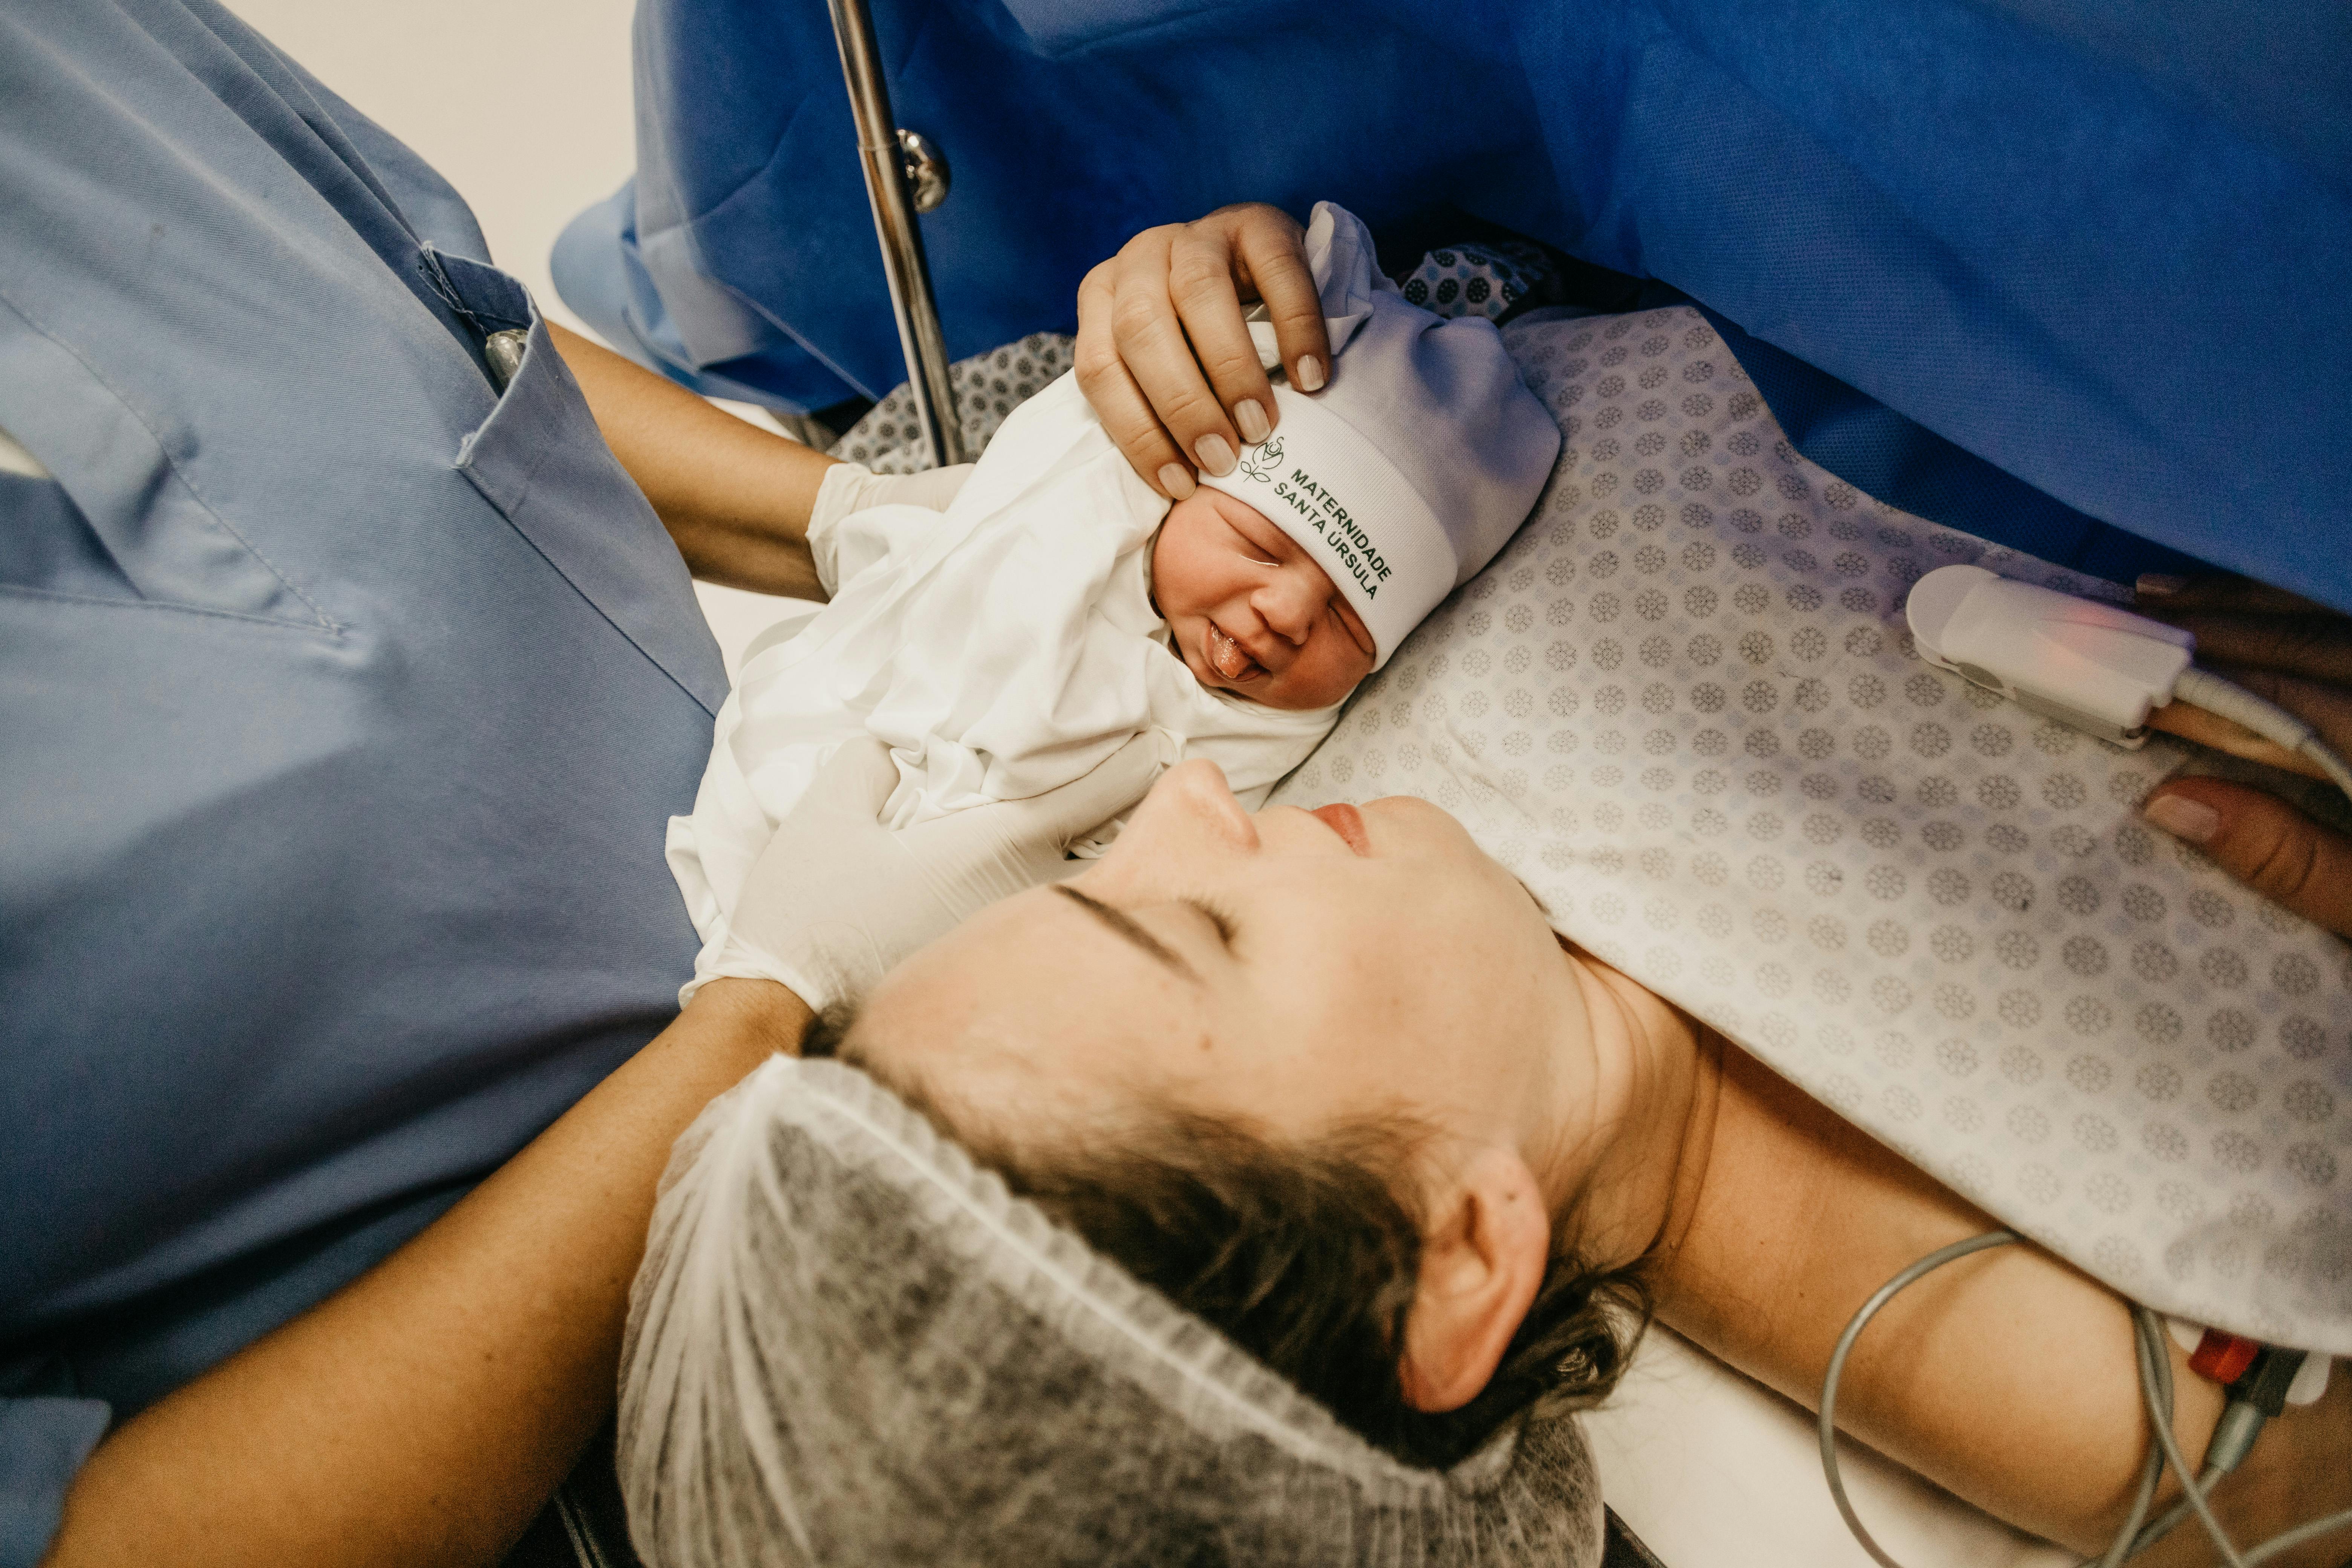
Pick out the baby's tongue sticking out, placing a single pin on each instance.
(1226, 657)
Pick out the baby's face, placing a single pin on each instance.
(1249, 610)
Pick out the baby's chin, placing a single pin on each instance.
(1271, 692)
(1296, 700)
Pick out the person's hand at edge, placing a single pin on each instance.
(1165, 357)
(837, 900)
(2286, 649)
(2264, 843)
(2297, 654)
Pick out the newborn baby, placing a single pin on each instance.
(1059, 607)
(1251, 611)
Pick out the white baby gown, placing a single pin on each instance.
(1003, 648)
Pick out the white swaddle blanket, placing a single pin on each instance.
(1002, 647)
(1683, 705)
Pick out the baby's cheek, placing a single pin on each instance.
(1320, 679)
(1183, 561)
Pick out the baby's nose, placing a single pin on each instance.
(1287, 606)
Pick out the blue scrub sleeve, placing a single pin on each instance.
(42, 1443)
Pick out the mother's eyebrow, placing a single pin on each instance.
(1119, 921)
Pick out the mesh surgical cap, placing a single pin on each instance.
(848, 1344)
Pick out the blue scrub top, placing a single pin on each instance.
(342, 702)
(2012, 265)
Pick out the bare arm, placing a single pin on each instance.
(424, 1414)
(735, 498)
(2008, 1377)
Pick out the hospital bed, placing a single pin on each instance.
(2018, 331)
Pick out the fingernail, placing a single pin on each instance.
(2184, 818)
(1252, 419)
(2156, 584)
(1176, 480)
(1215, 456)
(1308, 376)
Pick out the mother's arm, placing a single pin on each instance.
(422, 1414)
(2009, 1378)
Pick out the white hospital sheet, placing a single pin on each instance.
(1684, 706)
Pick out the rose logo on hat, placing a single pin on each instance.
(1259, 461)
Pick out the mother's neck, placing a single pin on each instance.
(1633, 1166)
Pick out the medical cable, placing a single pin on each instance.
(2253, 1400)
(2152, 1354)
(2226, 699)
(2156, 1395)
(1870, 1309)
(2287, 1540)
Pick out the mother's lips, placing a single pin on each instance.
(1346, 822)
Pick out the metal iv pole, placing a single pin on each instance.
(904, 175)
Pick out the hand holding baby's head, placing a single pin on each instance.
(1294, 576)
(1250, 611)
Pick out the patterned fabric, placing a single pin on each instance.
(1496, 280)
(1683, 705)
(987, 387)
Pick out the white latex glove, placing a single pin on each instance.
(853, 486)
(836, 898)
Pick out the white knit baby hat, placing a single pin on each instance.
(1416, 463)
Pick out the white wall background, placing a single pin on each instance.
(524, 105)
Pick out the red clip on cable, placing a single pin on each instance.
(2224, 1358)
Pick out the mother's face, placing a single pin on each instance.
(1294, 970)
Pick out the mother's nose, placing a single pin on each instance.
(1191, 811)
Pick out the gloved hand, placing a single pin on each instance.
(853, 488)
(836, 898)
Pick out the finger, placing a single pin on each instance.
(2264, 843)
(1126, 413)
(1061, 816)
(1270, 251)
(2225, 735)
(1151, 343)
(1201, 282)
(2158, 591)
(2317, 647)
(858, 778)
(2326, 708)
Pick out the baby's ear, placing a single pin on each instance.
(1482, 1256)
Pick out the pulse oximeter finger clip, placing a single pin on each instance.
(2093, 667)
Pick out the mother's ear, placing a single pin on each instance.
(1482, 1256)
